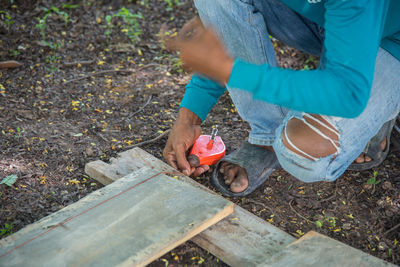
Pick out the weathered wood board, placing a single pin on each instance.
(241, 239)
(314, 249)
(127, 223)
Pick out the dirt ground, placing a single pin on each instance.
(95, 81)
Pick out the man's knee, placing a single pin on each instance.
(312, 137)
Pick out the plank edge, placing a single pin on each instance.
(211, 221)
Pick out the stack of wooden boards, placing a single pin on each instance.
(147, 209)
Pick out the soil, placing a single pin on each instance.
(54, 119)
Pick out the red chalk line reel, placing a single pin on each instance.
(207, 150)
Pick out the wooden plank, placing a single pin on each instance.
(242, 239)
(130, 222)
(314, 249)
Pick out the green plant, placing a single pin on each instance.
(41, 25)
(131, 26)
(14, 53)
(52, 58)
(373, 180)
(7, 230)
(6, 19)
(19, 133)
(309, 63)
(177, 64)
(170, 4)
(65, 6)
(331, 220)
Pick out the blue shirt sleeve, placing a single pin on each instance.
(342, 84)
(201, 95)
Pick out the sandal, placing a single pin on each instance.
(258, 162)
(374, 150)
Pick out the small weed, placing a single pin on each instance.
(52, 58)
(174, 61)
(330, 220)
(6, 19)
(41, 25)
(319, 223)
(19, 133)
(177, 64)
(131, 26)
(309, 63)
(7, 230)
(70, 6)
(171, 3)
(373, 180)
(14, 52)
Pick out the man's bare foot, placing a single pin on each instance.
(364, 158)
(236, 176)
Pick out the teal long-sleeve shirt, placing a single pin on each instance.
(354, 31)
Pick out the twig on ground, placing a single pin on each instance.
(332, 196)
(298, 214)
(150, 141)
(76, 63)
(147, 102)
(312, 196)
(391, 229)
(102, 137)
(262, 205)
(99, 73)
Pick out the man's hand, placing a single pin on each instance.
(183, 135)
(202, 51)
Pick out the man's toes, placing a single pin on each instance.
(230, 174)
(367, 159)
(223, 166)
(383, 144)
(360, 159)
(241, 182)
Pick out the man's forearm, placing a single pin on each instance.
(186, 116)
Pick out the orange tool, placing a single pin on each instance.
(207, 150)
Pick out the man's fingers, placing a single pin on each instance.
(171, 160)
(200, 170)
(183, 164)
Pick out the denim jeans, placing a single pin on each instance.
(245, 26)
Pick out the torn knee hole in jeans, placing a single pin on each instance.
(315, 134)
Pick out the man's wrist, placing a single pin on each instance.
(186, 116)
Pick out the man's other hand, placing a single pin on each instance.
(202, 51)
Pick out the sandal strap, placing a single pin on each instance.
(373, 148)
(258, 162)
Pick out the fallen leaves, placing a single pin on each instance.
(10, 64)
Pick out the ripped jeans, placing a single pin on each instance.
(245, 25)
